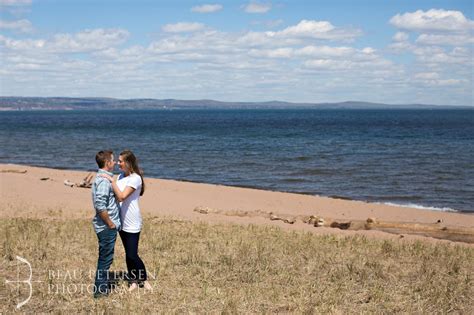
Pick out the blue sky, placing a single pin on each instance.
(395, 52)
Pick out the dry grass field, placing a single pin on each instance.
(205, 268)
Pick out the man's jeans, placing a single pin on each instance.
(107, 239)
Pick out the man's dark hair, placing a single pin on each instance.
(103, 156)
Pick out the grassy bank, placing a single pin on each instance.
(196, 267)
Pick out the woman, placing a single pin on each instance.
(128, 188)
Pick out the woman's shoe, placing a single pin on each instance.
(147, 286)
(133, 287)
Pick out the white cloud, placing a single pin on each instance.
(253, 39)
(433, 79)
(297, 63)
(255, 7)
(399, 47)
(325, 51)
(272, 53)
(427, 75)
(15, 2)
(89, 40)
(208, 42)
(27, 45)
(448, 82)
(368, 50)
(316, 30)
(400, 37)
(462, 52)
(207, 8)
(23, 26)
(85, 41)
(268, 23)
(432, 20)
(298, 34)
(438, 29)
(443, 39)
(183, 27)
(437, 56)
(328, 64)
(308, 28)
(346, 59)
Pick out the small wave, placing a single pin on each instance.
(398, 197)
(312, 172)
(303, 158)
(294, 180)
(416, 206)
(339, 197)
(296, 158)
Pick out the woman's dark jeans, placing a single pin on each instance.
(135, 266)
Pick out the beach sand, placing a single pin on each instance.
(27, 195)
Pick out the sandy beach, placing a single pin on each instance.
(211, 247)
(41, 193)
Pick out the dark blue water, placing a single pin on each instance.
(416, 157)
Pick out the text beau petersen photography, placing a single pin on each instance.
(243, 157)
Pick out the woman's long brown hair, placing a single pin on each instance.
(132, 163)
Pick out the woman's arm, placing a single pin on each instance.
(119, 195)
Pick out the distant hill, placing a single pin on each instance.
(91, 103)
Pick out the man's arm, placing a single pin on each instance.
(100, 203)
(104, 215)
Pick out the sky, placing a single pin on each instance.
(386, 51)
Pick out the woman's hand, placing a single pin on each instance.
(108, 177)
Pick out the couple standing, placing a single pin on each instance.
(112, 218)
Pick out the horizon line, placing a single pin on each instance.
(243, 102)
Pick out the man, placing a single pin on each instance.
(106, 221)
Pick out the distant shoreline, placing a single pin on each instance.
(222, 108)
(68, 103)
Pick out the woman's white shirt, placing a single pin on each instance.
(129, 209)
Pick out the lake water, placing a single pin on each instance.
(411, 157)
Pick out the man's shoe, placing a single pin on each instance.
(100, 295)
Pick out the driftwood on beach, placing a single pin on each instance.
(14, 171)
(85, 183)
(435, 230)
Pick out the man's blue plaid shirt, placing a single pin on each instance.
(103, 198)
